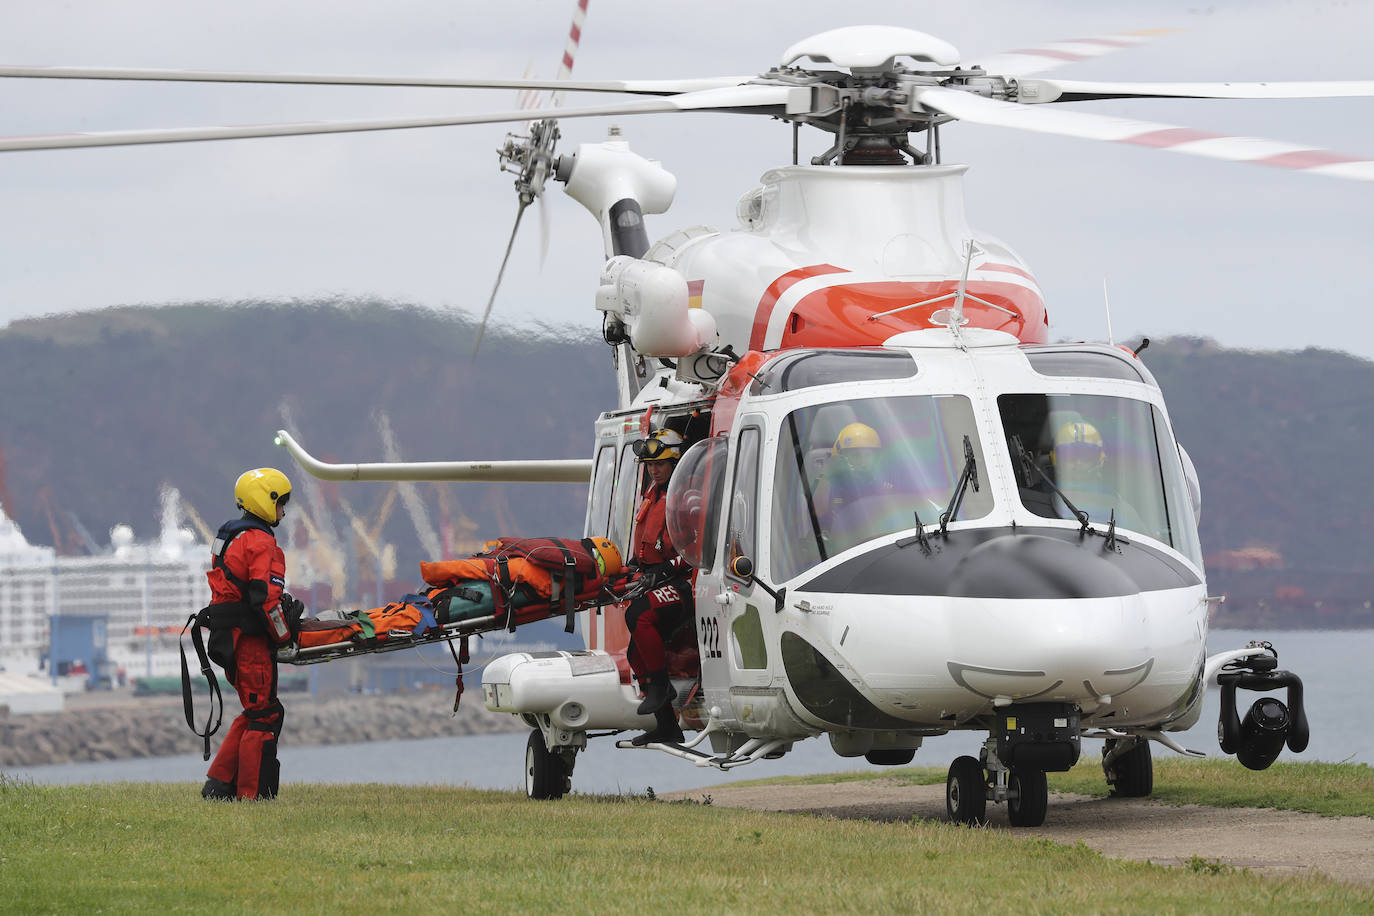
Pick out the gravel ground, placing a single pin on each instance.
(1262, 840)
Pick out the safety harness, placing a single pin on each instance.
(221, 619)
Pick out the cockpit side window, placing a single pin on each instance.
(744, 499)
(850, 471)
(1101, 455)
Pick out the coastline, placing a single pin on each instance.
(115, 725)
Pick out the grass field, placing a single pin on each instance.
(371, 848)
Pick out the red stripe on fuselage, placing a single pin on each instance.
(838, 316)
(775, 290)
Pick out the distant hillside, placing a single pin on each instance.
(99, 410)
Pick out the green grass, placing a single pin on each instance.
(1318, 788)
(371, 848)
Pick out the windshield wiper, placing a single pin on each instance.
(1028, 463)
(967, 476)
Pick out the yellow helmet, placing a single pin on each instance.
(856, 435)
(662, 445)
(259, 491)
(1078, 445)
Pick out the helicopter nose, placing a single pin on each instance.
(1035, 566)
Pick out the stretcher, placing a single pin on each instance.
(427, 634)
(514, 581)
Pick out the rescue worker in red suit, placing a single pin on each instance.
(654, 615)
(249, 618)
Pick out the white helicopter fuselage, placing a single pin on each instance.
(894, 636)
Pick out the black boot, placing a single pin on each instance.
(665, 731)
(658, 692)
(215, 790)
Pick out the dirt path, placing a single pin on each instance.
(1260, 839)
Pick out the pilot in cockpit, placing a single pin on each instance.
(852, 473)
(1081, 470)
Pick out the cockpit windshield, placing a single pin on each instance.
(851, 471)
(1106, 455)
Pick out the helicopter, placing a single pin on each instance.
(1026, 562)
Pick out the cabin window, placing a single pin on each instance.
(624, 500)
(1103, 454)
(599, 501)
(811, 368)
(740, 540)
(902, 459)
(1085, 364)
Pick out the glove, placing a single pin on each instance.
(287, 652)
(292, 610)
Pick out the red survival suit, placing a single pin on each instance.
(654, 616)
(247, 623)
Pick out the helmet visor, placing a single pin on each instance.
(1078, 455)
(649, 449)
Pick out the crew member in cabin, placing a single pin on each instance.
(249, 617)
(654, 615)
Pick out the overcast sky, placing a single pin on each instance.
(1252, 256)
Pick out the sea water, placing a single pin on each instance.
(1328, 662)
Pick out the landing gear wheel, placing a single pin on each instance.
(966, 797)
(1030, 798)
(1132, 775)
(546, 775)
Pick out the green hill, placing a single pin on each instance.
(101, 409)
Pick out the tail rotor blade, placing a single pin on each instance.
(486, 313)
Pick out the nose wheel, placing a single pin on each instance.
(972, 782)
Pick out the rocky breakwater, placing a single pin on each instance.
(115, 727)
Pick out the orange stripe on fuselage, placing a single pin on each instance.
(775, 290)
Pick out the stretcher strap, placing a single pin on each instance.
(507, 590)
(458, 659)
(569, 587)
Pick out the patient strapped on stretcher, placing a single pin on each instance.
(513, 580)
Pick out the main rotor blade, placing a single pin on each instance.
(1039, 91)
(491, 300)
(646, 87)
(744, 99)
(968, 107)
(1058, 53)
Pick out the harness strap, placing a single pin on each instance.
(216, 698)
(255, 718)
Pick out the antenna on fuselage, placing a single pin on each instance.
(1107, 304)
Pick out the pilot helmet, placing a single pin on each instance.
(1078, 447)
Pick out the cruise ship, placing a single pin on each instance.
(144, 590)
